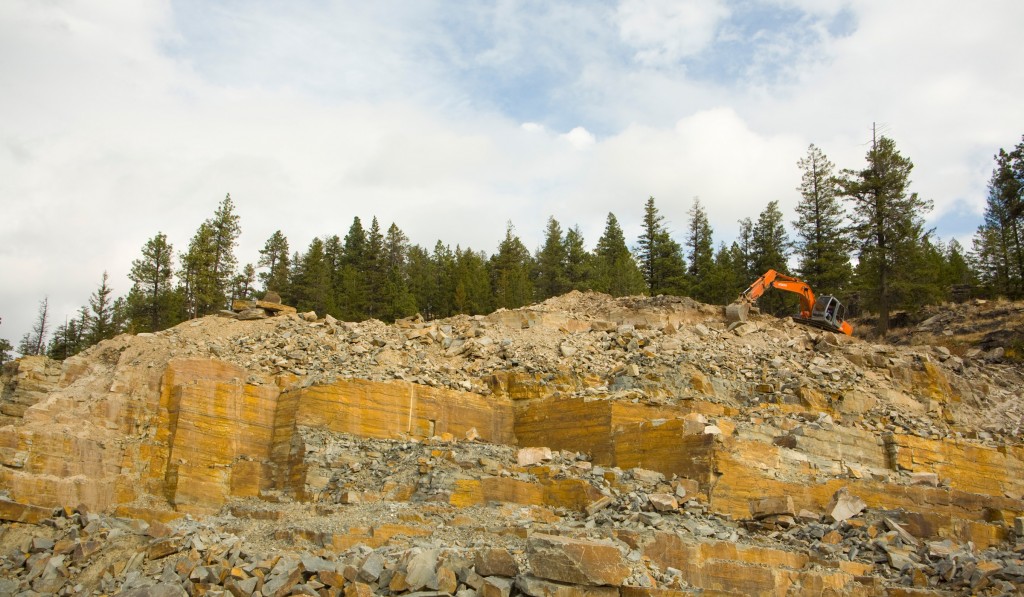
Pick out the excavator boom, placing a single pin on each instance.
(773, 279)
(824, 312)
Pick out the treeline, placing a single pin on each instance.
(857, 232)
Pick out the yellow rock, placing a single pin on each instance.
(400, 409)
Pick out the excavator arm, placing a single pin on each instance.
(773, 279)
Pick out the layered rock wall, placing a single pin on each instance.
(400, 409)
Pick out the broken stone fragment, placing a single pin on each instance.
(157, 590)
(663, 502)
(40, 544)
(532, 456)
(643, 475)
(844, 506)
(161, 548)
(422, 570)
(537, 587)
(808, 515)
(599, 504)
(772, 506)
(576, 561)
(496, 586)
(371, 568)
(495, 561)
(280, 583)
(903, 534)
(447, 580)
(251, 314)
(899, 558)
(358, 589)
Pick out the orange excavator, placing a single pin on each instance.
(824, 312)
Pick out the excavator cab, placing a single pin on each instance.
(828, 314)
(828, 308)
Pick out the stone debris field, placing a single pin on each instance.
(586, 446)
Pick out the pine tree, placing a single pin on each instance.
(334, 257)
(153, 303)
(700, 253)
(928, 263)
(67, 340)
(424, 282)
(196, 283)
(5, 349)
(579, 266)
(397, 300)
(225, 232)
(669, 266)
(822, 241)
(243, 285)
(274, 257)
(120, 315)
(726, 280)
(661, 257)
(770, 246)
(449, 268)
(615, 269)
(32, 343)
(998, 246)
(352, 289)
(646, 245)
(311, 288)
(372, 271)
(209, 265)
(472, 292)
(746, 264)
(888, 226)
(101, 322)
(957, 270)
(510, 271)
(770, 240)
(551, 262)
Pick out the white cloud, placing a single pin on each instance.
(580, 138)
(665, 31)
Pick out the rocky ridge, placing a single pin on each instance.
(367, 446)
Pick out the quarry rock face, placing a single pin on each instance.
(583, 446)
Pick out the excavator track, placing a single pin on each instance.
(814, 323)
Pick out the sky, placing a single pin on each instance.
(124, 118)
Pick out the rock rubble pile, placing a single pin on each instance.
(639, 447)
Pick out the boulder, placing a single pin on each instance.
(576, 561)
(495, 561)
(496, 586)
(772, 506)
(844, 506)
(537, 587)
(663, 502)
(532, 456)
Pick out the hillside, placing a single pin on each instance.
(586, 445)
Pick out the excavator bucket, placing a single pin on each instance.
(737, 311)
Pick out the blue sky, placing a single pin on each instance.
(126, 117)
